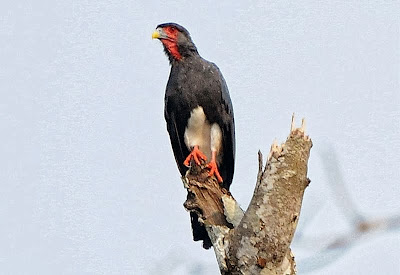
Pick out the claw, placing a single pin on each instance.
(214, 170)
(196, 154)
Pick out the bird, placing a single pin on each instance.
(198, 112)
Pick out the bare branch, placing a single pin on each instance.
(258, 241)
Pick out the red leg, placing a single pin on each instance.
(196, 154)
(214, 168)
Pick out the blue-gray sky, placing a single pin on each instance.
(89, 182)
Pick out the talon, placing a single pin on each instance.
(196, 154)
(214, 168)
(214, 171)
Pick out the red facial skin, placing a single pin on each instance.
(171, 42)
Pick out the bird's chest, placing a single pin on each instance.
(191, 93)
(191, 86)
(200, 132)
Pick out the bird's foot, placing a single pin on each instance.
(196, 154)
(214, 170)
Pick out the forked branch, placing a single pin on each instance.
(257, 241)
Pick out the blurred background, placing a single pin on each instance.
(89, 184)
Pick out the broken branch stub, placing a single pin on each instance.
(205, 195)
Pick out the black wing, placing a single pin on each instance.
(176, 123)
(228, 134)
(218, 109)
(176, 135)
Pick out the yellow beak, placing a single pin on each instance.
(155, 35)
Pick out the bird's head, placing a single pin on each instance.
(176, 41)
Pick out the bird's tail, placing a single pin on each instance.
(199, 231)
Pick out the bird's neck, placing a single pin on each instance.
(172, 50)
(177, 53)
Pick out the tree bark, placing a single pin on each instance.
(256, 241)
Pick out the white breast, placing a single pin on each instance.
(199, 132)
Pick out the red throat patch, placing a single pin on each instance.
(170, 43)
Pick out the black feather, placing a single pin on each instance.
(194, 82)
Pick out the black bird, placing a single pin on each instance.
(198, 112)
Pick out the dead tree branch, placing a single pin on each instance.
(257, 241)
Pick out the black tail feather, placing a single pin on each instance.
(199, 231)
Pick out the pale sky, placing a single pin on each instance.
(89, 181)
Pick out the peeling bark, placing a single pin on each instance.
(257, 241)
